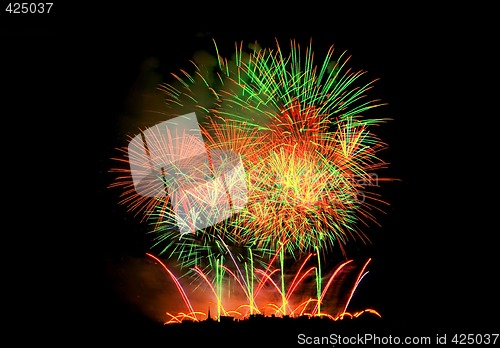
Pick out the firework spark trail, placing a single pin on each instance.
(152, 149)
(177, 284)
(296, 280)
(360, 276)
(289, 305)
(325, 289)
(220, 308)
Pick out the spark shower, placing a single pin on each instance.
(266, 167)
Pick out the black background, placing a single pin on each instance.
(67, 78)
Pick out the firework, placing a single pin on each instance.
(309, 154)
(261, 294)
(282, 164)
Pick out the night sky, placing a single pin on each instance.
(75, 79)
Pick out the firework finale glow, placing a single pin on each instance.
(266, 165)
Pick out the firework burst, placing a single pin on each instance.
(309, 154)
(305, 155)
